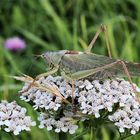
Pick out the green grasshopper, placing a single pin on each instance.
(75, 65)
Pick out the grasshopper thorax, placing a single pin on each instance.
(54, 58)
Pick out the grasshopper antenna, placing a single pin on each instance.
(36, 56)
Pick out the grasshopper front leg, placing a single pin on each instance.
(52, 71)
(103, 29)
(72, 83)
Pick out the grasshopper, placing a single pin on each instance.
(75, 65)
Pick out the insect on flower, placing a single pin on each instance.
(75, 65)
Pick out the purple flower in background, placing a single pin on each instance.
(15, 44)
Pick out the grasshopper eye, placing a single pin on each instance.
(43, 55)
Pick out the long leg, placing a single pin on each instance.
(86, 73)
(52, 71)
(128, 74)
(72, 92)
(104, 30)
(55, 69)
(130, 80)
(83, 74)
(72, 83)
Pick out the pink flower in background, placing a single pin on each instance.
(15, 44)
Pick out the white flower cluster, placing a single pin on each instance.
(64, 124)
(47, 100)
(99, 95)
(91, 97)
(127, 118)
(13, 118)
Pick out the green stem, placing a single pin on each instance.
(12, 136)
(92, 134)
(56, 136)
(125, 137)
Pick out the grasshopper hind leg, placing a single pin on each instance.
(86, 73)
(102, 75)
(103, 29)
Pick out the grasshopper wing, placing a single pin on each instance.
(83, 61)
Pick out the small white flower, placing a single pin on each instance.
(33, 123)
(41, 126)
(137, 89)
(89, 86)
(64, 129)
(16, 132)
(7, 129)
(57, 130)
(7, 122)
(97, 115)
(133, 132)
(121, 129)
(49, 128)
(71, 131)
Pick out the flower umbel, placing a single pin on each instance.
(13, 118)
(112, 99)
(64, 124)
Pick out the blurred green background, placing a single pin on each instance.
(63, 24)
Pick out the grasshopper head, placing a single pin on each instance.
(54, 58)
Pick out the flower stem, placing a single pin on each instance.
(56, 136)
(92, 134)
